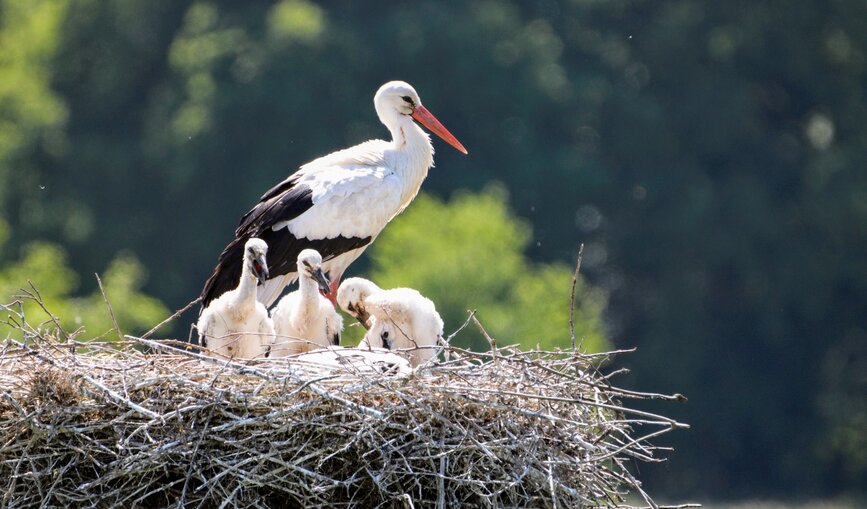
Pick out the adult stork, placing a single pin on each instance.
(339, 203)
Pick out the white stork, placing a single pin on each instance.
(399, 319)
(236, 325)
(339, 203)
(305, 314)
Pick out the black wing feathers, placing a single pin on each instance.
(226, 274)
(286, 249)
(287, 200)
(283, 202)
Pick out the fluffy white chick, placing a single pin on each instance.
(304, 319)
(236, 325)
(405, 322)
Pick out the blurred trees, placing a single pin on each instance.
(709, 154)
(45, 266)
(469, 254)
(31, 114)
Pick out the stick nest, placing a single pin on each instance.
(144, 424)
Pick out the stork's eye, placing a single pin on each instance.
(408, 100)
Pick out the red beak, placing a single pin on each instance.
(426, 118)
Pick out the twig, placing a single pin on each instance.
(37, 298)
(189, 474)
(169, 319)
(110, 310)
(472, 313)
(491, 341)
(572, 298)
(678, 506)
(447, 342)
(120, 399)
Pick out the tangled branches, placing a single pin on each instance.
(144, 423)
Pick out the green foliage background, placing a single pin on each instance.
(709, 154)
(469, 253)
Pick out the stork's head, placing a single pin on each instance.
(397, 99)
(255, 251)
(310, 267)
(351, 296)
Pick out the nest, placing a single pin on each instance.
(143, 423)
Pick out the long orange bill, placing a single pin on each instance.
(426, 118)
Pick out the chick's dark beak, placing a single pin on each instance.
(364, 318)
(320, 278)
(260, 269)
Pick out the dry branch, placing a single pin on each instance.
(572, 298)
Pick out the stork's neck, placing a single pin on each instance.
(309, 288)
(414, 153)
(247, 285)
(309, 302)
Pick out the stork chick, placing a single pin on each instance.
(304, 319)
(236, 325)
(351, 296)
(400, 319)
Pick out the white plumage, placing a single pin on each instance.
(400, 319)
(351, 297)
(236, 325)
(305, 320)
(339, 203)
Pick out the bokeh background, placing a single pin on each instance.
(710, 155)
